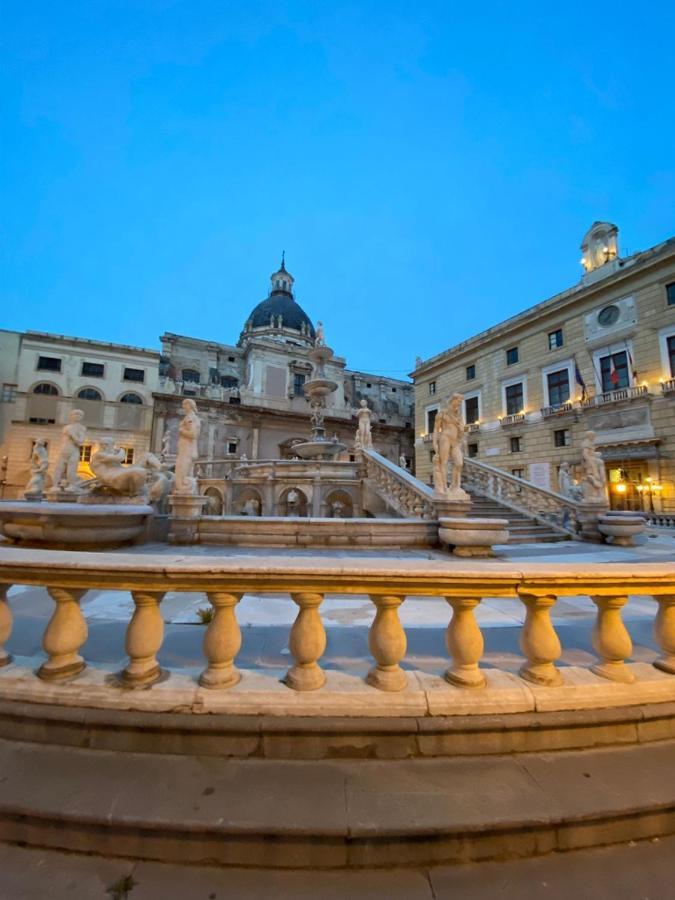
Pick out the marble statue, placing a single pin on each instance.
(594, 480)
(337, 509)
(186, 453)
(112, 476)
(364, 438)
(166, 443)
(319, 336)
(292, 502)
(402, 461)
(39, 463)
(448, 444)
(251, 507)
(74, 434)
(160, 480)
(566, 484)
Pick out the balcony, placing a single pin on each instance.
(561, 409)
(472, 427)
(514, 419)
(628, 393)
(668, 387)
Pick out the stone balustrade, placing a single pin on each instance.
(405, 493)
(67, 576)
(548, 507)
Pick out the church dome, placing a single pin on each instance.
(280, 310)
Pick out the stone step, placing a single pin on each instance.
(337, 813)
(523, 529)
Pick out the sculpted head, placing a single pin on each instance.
(75, 416)
(189, 406)
(364, 404)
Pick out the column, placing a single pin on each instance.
(64, 635)
(387, 643)
(611, 641)
(143, 640)
(222, 642)
(464, 641)
(664, 633)
(307, 643)
(539, 641)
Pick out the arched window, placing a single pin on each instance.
(46, 388)
(130, 398)
(191, 375)
(89, 394)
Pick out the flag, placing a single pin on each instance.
(633, 370)
(579, 378)
(613, 374)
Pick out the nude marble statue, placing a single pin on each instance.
(448, 444)
(364, 438)
(74, 434)
(186, 453)
(594, 481)
(39, 463)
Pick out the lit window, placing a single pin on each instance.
(516, 446)
(558, 387)
(49, 364)
(514, 399)
(128, 456)
(470, 372)
(511, 356)
(85, 453)
(555, 339)
(561, 437)
(133, 374)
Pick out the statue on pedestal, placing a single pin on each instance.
(319, 336)
(39, 463)
(363, 439)
(448, 444)
(403, 462)
(566, 484)
(186, 453)
(74, 436)
(594, 481)
(111, 476)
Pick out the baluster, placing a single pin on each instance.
(222, 642)
(611, 640)
(307, 642)
(5, 624)
(143, 639)
(64, 635)
(539, 641)
(387, 643)
(464, 641)
(664, 632)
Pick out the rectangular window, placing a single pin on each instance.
(49, 364)
(514, 399)
(85, 453)
(298, 384)
(555, 339)
(232, 447)
(671, 354)
(432, 387)
(511, 356)
(8, 393)
(134, 374)
(558, 387)
(128, 456)
(470, 372)
(471, 413)
(92, 370)
(614, 372)
(561, 437)
(518, 472)
(431, 420)
(472, 450)
(670, 293)
(231, 359)
(515, 445)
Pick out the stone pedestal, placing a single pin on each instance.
(472, 537)
(184, 521)
(33, 496)
(588, 516)
(622, 528)
(452, 505)
(61, 495)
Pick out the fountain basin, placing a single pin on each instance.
(74, 525)
(319, 449)
(319, 387)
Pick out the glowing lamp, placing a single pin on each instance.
(621, 488)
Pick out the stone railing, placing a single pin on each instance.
(547, 507)
(668, 387)
(404, 493)
(514, 419)
(628, 393)
(660, 520)
(67, 576)
(561, 409)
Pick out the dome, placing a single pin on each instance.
(280, 310)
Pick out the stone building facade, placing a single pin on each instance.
(49, 375)
(599, 356)
(250, 395)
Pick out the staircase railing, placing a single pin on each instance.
(404, 493)
(546, 507)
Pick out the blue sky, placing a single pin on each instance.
(429, 168)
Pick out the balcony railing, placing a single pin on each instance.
(514, 419)
(67, 576)
(668, 387)
(560, 410)
(472, 427)
(628, 393)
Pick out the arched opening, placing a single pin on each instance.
(130, 415)
(338, 505)
(293, 502)
(42, 404)
(249, 503)
(130, 398)
(89, 401)
(214, 505)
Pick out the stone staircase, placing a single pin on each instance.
(523, 529)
